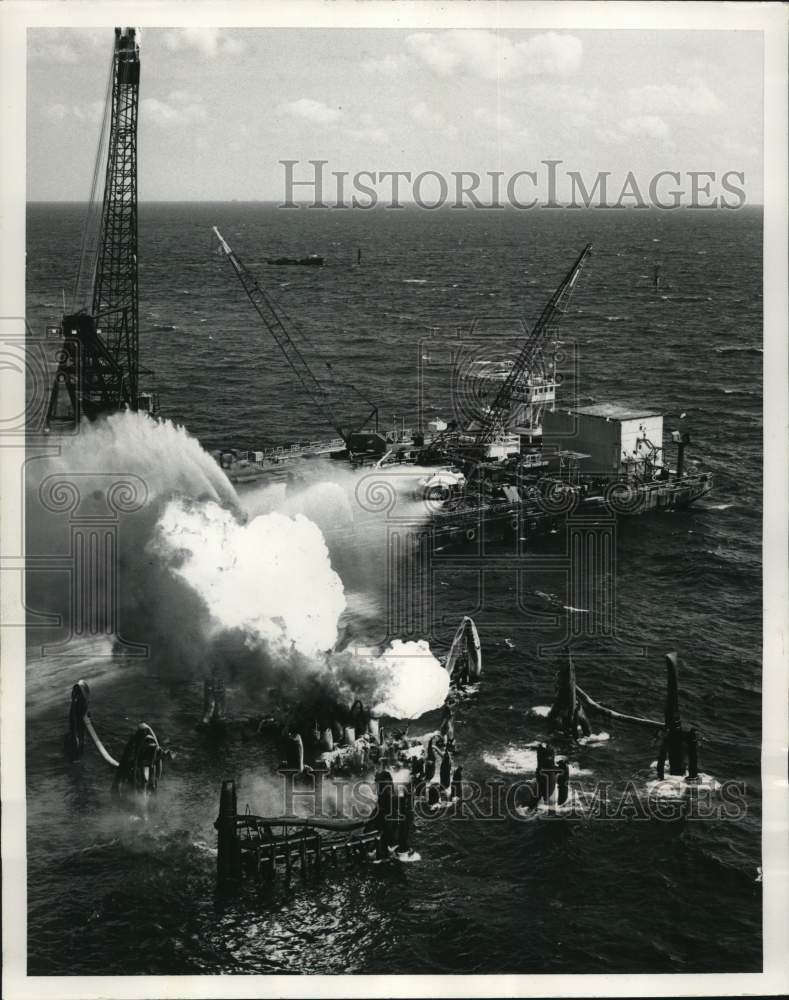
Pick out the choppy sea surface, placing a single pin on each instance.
(114, 893)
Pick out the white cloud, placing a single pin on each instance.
(435, 51)
(433, 120)
(494, 119)
(492, 56)
(649, 126)
(312, 111)
(636, 127)
(90, 112)
(182, 96)
(60, 111)
(374, 135)
(180, 108)
(358, 127)
(422, 115)
(694, 98)
(389, 65)
(610, 136)
(551, 54)
(365, 129)
(67, 47)
(209, 41)
(556, 96)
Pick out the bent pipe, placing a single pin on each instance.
(619, 716)
(141, 763)
(106, 755)
(80, 723)
(672, 691)
(74, 740)
(293, 752)
(567, 712)
(564, 709)
(671, 715)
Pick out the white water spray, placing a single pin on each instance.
(260, 600)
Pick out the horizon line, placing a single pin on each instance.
(405, 204)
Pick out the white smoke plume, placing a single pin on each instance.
(404, 681)
(207, 585)
(271, 577)
(269, 582)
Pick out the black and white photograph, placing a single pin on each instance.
(394, 546)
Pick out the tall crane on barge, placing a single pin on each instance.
(495, 420)
(325, 394)
(98, 369)
(471, 445)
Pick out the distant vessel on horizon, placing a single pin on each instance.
(311, 260)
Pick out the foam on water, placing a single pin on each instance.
(544, 810)
(594, 739)
(523, 760)
(675, 786)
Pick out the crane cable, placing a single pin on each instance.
(93, 216)
(313, 386)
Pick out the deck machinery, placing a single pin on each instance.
(98, 370)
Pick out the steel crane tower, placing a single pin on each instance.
(99, 366)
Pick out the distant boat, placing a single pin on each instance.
(313, 260)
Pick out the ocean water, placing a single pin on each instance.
(110, 892)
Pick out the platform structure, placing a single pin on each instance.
(257, 847)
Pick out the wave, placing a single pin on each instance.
(739, 350)
(686, 298)
(615, 318)
(594, 738)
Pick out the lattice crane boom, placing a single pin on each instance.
(495, 420)
(277, 325)
(115, 292)
(98, 369)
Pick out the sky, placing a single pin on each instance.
(221, 107)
